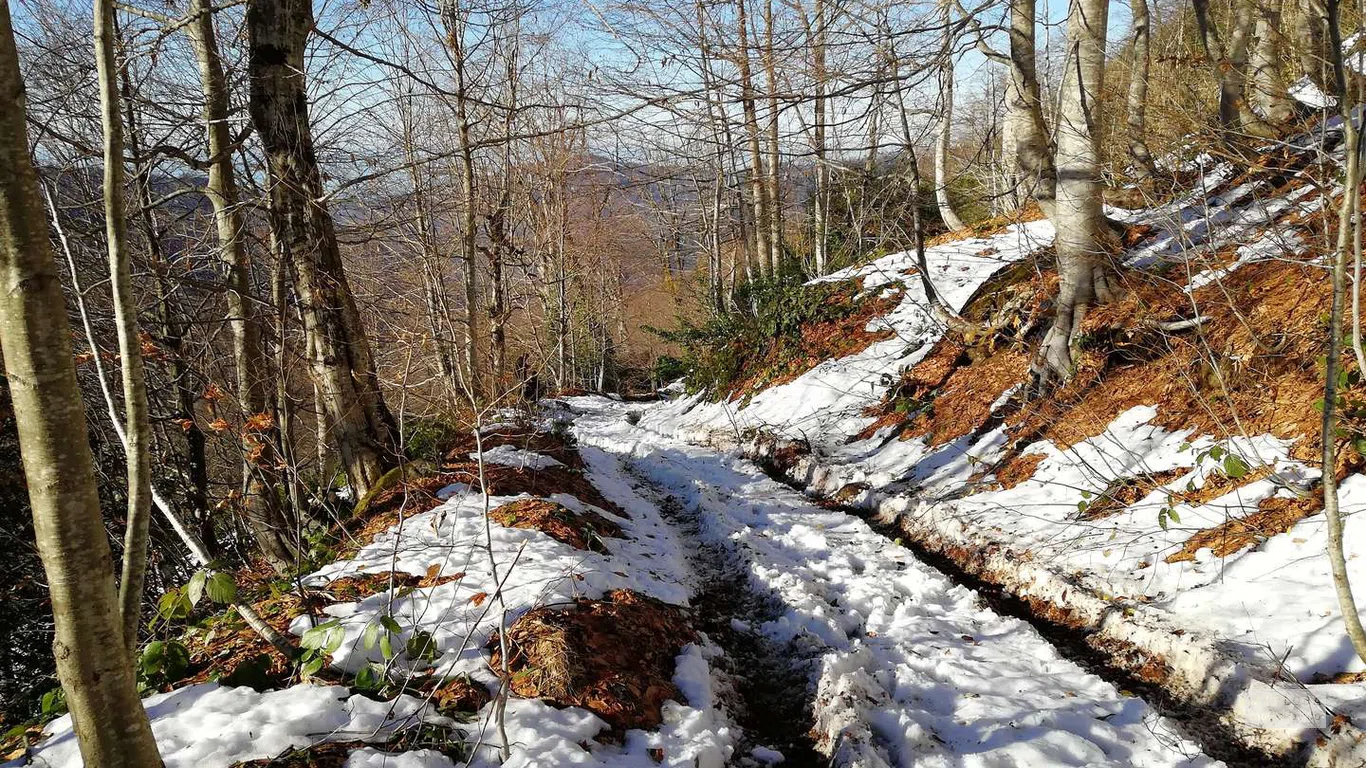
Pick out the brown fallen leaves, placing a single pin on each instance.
(1274, 516)
(580, 530)
(614, 657)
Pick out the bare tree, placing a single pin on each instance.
(361, 427)
(1024, 111)
(137, 430)
(1078, 216)
(90, 647)
(945, 133)
(1136, 122)
(264, 509)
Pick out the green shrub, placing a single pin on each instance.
(769, 311)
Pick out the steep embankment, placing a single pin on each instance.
(1163, 501)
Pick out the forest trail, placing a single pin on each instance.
(907, 667)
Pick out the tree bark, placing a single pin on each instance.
(1271, 100)
(1311, 44)
(360, 425)
(1136, 121)
(1348, 232)
(774, 188)
(1235, 115)
(92, 656)
(1080, 241)
(1024, 111)
(758, 189)
(263, 507)
(822, 203)
(945, 132)
(138, 434)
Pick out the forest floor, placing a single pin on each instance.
(700, 614)
(889, 558)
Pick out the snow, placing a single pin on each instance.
(909, 668)
(830, 398)
(210, 726)
(512, 456)
(207, 725)
(1306, 92)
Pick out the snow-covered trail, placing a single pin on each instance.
(908, 667)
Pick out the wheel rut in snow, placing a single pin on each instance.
(773, 691)
(1199, 724)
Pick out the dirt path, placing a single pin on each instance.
(904, 665)
(770, 683)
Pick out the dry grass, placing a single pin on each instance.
(1017, 469)
(580, 530)
(546, 443)
(988, 227)
(614, 657)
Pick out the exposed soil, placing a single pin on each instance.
(503, 480)
(772, 693)
(1127, 491)
(557, 446)
(614, 657)
(580, 530)
(988, 227)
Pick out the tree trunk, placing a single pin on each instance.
(90, 649)
(1024, 111)
(1235, 115)
(945, 132)
(774, 189)
(263, 507)
(138, 429)
(454, 19)
(1349, 231)
(360, 425)
(758, 189)
(1311, 44)
(1136, 122)
(821, 213)
(1271, 99)
(173, 325)
(1078, 215)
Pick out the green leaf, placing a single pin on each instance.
(386, 646)
(313, 665)
(317, 637)
(1175, 517)
(368, 678)
(53, 703)
(195, 589)
(1234, 466)
(371, 636)
(421, 646)
(1162, 519)
(390, 624)
(221, 588)
(152, 657)
(173, 605)
(1086, 494)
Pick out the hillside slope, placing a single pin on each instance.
(1165, 499)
